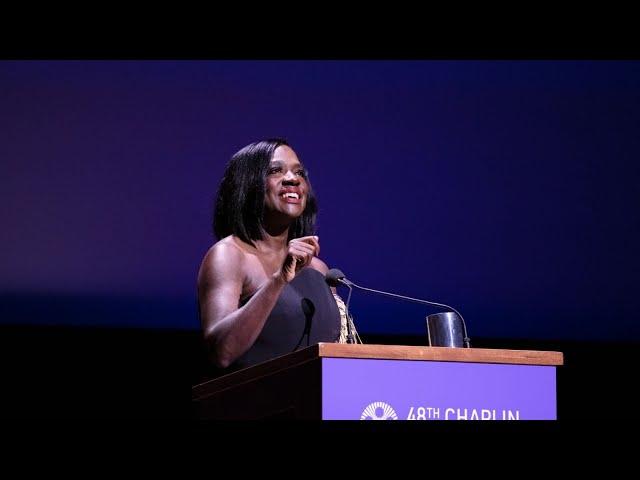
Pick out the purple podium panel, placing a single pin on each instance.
(371, 389)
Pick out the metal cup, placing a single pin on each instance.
(445, 330)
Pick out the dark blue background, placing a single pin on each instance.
(508, 189)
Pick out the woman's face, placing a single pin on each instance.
(286, 185)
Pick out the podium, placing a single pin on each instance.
(331, 381)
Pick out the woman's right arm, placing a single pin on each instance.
(230, 331)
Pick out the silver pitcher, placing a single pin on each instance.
(445, 330)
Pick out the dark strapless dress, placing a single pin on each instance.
(305, 314)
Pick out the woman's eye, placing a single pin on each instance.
(302, 173)
(274, 170)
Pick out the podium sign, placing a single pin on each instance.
(368, 389)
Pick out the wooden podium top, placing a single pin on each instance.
(381, 352)
(441, 354)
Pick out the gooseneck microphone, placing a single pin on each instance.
(335, 277)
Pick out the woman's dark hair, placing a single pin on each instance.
(239, 205)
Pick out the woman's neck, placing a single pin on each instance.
(273, 241)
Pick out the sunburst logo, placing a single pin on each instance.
(378, 411)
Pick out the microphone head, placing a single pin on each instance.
(333, 277)
(308, 308)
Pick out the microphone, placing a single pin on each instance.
(308, 308)
(335, 277)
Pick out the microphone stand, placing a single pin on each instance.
(349, 284)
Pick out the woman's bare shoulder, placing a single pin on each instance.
(223, 248)
(226, 254)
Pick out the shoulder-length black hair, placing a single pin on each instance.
(239, 205)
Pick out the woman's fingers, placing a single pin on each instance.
(300, 253)
(303, 255)
(310, 241)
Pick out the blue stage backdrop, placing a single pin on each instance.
(508, 189)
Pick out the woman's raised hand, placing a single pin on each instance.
(300, 252)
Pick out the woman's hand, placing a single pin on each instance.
(300, 252)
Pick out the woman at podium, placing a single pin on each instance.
(261, 286)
